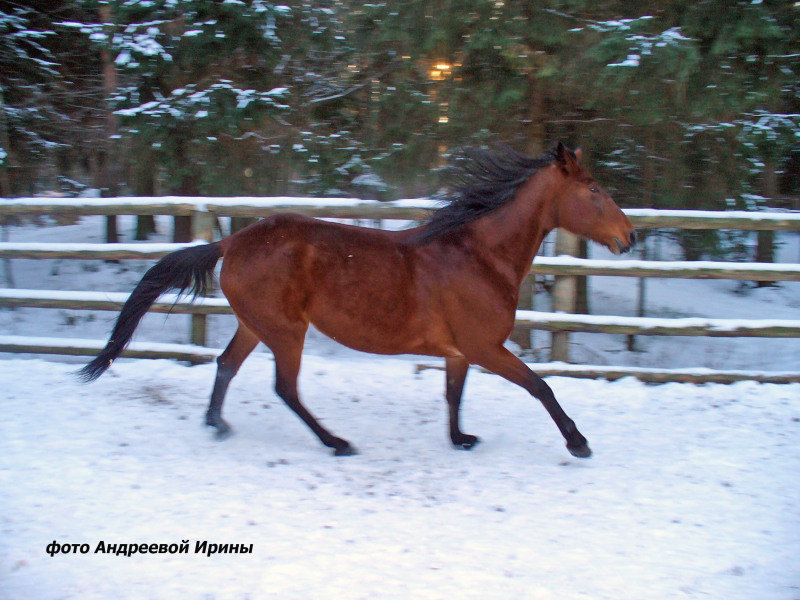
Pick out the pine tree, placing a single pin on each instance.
(675, 92)
(37, 89)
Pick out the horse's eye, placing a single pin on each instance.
(594, 190)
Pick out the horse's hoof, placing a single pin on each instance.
(223, 433)
(346, 450)
(467, 442)
(582, 451)
(223, 430)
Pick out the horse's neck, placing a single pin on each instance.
(511, 235)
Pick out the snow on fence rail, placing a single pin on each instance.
(344, 208)
(544, 265)
(80, 347)
(351, 208)
(142, 250)
(692, 326)
(678, 269)
(203, 210)
(651, 375)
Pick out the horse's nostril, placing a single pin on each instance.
(632, 238)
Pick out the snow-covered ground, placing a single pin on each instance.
(693, 491)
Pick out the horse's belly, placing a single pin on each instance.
(385, 330)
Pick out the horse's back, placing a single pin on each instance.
(359, 286)
(312, 247)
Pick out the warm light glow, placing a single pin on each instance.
(443, 119)
(440, 71)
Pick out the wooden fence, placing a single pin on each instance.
(565, 269)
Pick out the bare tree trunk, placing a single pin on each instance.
(144, 185)
(112, 231)
(765, 247)
(187, 186)
(536, 129)
(182, 231)
(109, 167)
(5, 184)
(145, 227)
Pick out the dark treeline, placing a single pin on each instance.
(677, 103)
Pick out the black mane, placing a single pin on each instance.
(484, 180)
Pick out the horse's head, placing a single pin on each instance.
(584, 208)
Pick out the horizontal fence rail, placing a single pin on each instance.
(693, 326)
(200, 355)
(564, 268)
(545, 321)
(685, 269)
(706, 219)
(348, 208)
(167, 303)
(649, 375)
(80, 347)
(142, 250)
(342, 208)
(543, 265)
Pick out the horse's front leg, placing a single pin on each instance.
(456, 373)
(502, 362)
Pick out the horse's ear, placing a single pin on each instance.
(566, 159)
(561, 153)
(579, 154)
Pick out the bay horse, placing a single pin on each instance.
(448, 288)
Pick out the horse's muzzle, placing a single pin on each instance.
(631, 241)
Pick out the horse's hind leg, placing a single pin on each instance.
(228, 363)
(456, 373)
(288, 350)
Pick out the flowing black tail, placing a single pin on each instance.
(188, 269)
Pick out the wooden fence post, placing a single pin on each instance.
(203, 225)
(202, 229)
(565, 293)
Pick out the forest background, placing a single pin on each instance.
(677, 104)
